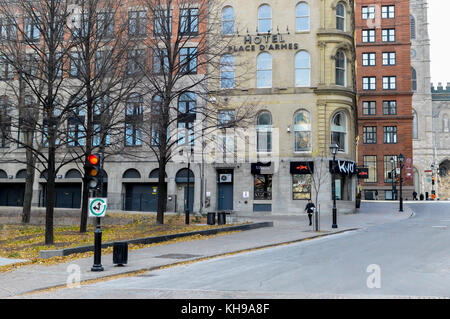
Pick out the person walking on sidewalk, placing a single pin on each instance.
(310, 210)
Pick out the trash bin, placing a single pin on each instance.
(120, 253)
(211, 218)
(221, 218)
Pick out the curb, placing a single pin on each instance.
(151, 240)
(184, 262)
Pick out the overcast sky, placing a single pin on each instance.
(440, 40)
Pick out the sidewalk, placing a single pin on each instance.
(286, 229)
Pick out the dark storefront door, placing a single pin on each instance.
(141, 197)
(191, 198)
(66, 195)
(225, 196)
(12, 194)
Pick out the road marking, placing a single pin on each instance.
(440, 226)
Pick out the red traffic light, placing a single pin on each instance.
(92, 159)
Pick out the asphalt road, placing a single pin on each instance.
(401, 259)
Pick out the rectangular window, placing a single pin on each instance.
(369, 108)
(390, 134)
(369, 59)
(389, 58)
(389, 107)
(389, 82)
(389, 166)
(137, 23)
(301, 186)
(133, 122)
(75, 64)
(369, 83)
(6, 69)
(368, 12)
(370, 161)
(105, 25)
(162, 23)
(188, 60)
(135, 61)
(75, 128)
(388, 35)
(262, 187)
(31, 27)
(8, 30)
(370, 134)
(368, 35)
(160, 61)
(387, 12)
(189, 21)
(226, 118)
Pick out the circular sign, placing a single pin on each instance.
(97, 207)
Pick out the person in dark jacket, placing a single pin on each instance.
(310, 210)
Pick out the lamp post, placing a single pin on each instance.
(394, 176)
(333, 149)
(401, 158)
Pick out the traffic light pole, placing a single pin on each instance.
(98, 231)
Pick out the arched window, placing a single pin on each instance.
(302, 69)
(412, 22)
(302, 17)
(3, 174)
(22, 173)
(340, 17)
(302, 131)
(264, 19)
(187, 103)
(73, 173)
(228, 20)
(227, 72)
(445, 125)
(131, 173)
(413, 79)
(264, 132)
(183, 175)
(415, 128)
(341, 68)
(339, 131)
(264, 70)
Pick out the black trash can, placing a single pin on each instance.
(211, 219)
(120, 253)
(221, 218)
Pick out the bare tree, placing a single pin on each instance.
(101, 45)
(181, 63)
(319, 176)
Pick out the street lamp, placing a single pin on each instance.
(333, 149)
(394, 176)
(187, 210)
(401, 158)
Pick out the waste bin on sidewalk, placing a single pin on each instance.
(120, 253)
(221, 218)
(211, 219)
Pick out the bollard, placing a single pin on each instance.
(211, 218)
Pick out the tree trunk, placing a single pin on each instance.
(50, 201)
(162, 193)
(84, 206)
(29, 181)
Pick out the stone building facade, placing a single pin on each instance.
(298, 64)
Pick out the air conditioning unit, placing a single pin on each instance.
(225, 178)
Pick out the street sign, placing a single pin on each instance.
(97, 207)
(397, 171)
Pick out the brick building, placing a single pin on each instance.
(384, 94)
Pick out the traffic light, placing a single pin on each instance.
(432, 180)
(93, 171)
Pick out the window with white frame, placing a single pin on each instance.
(368, 35)
(341, 73)
(339, 131)
(228, 20)
(389, 58)
(302, 69)
(264, 19)
(264, 70)
(369, 83)
(368, 12)
(264, 132)
(302, 131)
(389, 82)
(387, 12)
(227, 72)
(302, 17)
(340, 17)
(369, 59)
(388, 35)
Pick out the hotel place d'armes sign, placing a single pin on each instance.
(263, 42)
